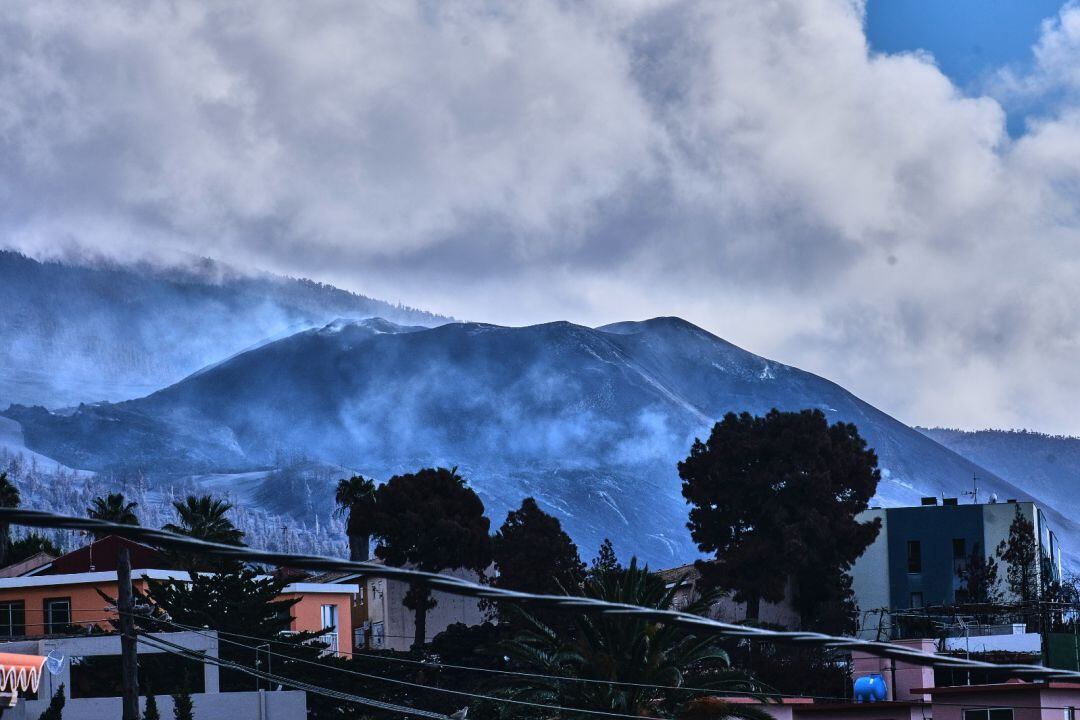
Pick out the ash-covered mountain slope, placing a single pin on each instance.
(590, 421)
(71, 333)
(1047, 467)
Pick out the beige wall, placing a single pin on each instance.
(385, 604)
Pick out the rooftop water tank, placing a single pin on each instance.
(870, 688)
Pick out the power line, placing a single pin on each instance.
(459, 586)
(494, 671)
(832, 698)
(450, 691)
(173, 648)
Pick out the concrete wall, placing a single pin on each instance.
(281, 705)
(901, 678)
(255, 705)
(870, 578)
(385, 600)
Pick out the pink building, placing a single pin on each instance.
(912, 695)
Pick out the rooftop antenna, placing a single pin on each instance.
(974, 492)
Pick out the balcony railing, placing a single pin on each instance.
(329, 639)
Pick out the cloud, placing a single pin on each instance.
(751, 165)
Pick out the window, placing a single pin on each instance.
(989, 714)
(330, 617)
(916, 600)
(959, 549)
(13, 618)
(914, 556)
(377, 635)
(57, 615)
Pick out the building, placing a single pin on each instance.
(382, 621)
(916, 692)
(916, 560)
(781, 614)
(90, 676)
(67, 591)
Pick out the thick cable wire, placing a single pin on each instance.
(175, 649)
(431, 688)
(434, 664)
(738, 693)
(459, 586)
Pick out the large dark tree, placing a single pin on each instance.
(9, 498)
(775, 499)
(1021, 557)
(532, 553)
(356, 498)
(430, 520)
(240, 601)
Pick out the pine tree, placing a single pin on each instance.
(979, 579)
(605, 562)
(183, 708)
(55, 711)
(151, 711)
(1020, 554)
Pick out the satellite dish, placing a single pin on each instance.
(993, 498)
(54, 662)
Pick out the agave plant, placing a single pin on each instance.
(660, 667)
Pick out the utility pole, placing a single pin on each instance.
(129, 661)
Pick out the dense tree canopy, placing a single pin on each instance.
(432, 521)
(32, 544)
(532, 553)
(775, 499)
(655, 661)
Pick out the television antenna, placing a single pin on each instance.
(973, 493)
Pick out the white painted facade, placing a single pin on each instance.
(255, 705)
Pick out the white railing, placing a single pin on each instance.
(329, 639)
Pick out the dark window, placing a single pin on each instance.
(916, 600)
(914, 556)
(959, 549)
(13, 618)
(989, 714)
(57, 615)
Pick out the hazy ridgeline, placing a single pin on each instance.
(72, 333)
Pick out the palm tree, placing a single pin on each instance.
(113, 508)
(637, 652)
(9, 498)
(356, 497)
(205, 518)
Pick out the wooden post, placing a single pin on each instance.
(129, 662)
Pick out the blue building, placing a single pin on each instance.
(917, 557)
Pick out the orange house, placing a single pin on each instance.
(48, 599)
